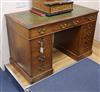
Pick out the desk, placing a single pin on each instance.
(31, 39)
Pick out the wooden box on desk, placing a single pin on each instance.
(52, 7)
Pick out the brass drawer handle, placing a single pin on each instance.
(41, 41)
(90, 18)
(63, 26)
(41, 32)
(42, 58)
(76, 22)
(42, 67)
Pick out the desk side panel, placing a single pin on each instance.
(19, 46)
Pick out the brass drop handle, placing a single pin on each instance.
(90, 18)
(42, 58)
(42, 31)
(41, 43)
(63, 26)
(89, 27)
(76, 22)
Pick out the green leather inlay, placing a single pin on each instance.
(30, 20)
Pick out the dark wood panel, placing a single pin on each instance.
(86, 38)
(19, 48)
(41, 60)
(77, 41)
(71, 39)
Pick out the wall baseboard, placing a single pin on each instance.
(97, 41)
(0, 69)
(4, 62)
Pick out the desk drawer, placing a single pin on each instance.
(84, 19)
(88, 18)
(74, 22)
(40, 31)
(86, 37)
(41, 54)
(62, 25)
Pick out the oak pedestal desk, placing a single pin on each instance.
(32, 38)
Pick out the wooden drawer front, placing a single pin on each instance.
(56, 27)
(84, 19)
(41, 61)
(91, 17)
(74, 22)
(86, 39)
(40, 31)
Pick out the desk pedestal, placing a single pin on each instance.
(76, 42)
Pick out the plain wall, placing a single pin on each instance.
(9, 6)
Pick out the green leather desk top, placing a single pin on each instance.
(30, 20)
